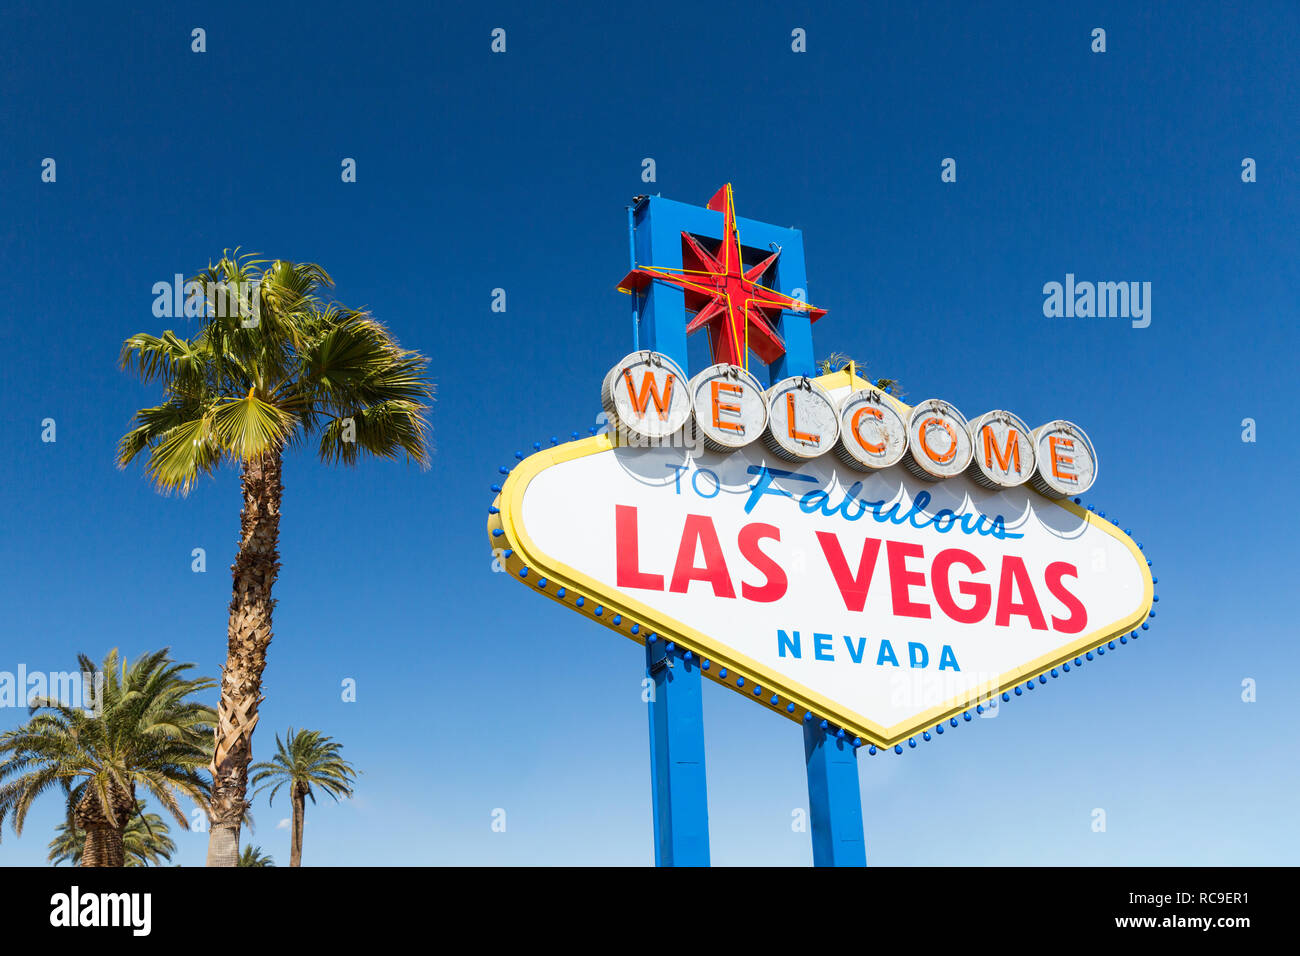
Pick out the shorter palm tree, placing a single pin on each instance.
(145, 841)
(309, 761)
(253, 856)
(142, 729)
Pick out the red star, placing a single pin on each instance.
(740, 313)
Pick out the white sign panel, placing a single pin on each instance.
(877, 600)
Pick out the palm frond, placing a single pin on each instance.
(387, 430)
(249, 427)
(182, 454)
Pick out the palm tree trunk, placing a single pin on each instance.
(295, 846)
(248, 636)
(104, 846)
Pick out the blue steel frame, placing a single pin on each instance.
(660, 312)
(677, 779)
(834, 797)
(677, 772)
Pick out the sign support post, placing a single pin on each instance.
(834, 798)
(677, 777)
(676, 729)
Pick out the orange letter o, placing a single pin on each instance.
(925, 445)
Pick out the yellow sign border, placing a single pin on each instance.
(568, 585)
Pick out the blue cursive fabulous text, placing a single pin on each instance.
(851, 507)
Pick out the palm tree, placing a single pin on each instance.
(309, 761)
(241, 391)
(145, 841)
(143, 730)
(253, 856)
(837, 361)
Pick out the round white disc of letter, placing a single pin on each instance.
(730, 408)
(1004, 450)
(646, 396)
(1067, 462)
(873, 434)
(802, 419)
(938, 441)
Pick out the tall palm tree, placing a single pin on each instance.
(250, 384)
(309, 761)
(145, 841)
(142, 730)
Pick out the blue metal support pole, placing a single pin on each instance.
(631, 252)
(677, 778)
(834, 798)
(676, 715)
(795, 329)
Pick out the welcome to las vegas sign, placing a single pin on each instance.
(824, 549)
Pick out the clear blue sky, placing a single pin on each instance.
(478, 171)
